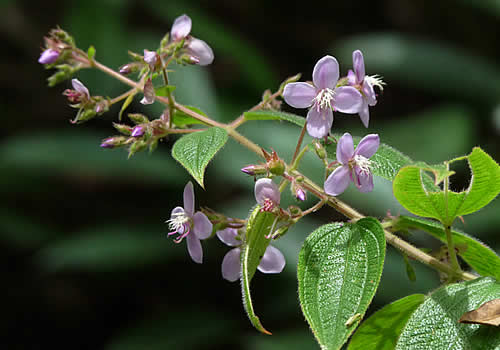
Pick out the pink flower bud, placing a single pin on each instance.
(181, 27)
(48, 56)
(138, 131)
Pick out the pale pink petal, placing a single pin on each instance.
(181, 27)
(272, 261)
(79, 87)
(150, 58)
(299, 95)
(326, 73)
(201, 51)
(194, 248)
(189, 199)
(338, 181)
(345, 149)
(351, 77)
(364, 180)
(266, 189)
(368, 145)
(364, 114)
(369, 93)
(202, 227)
(231, 268)
(347, 100)
(228, 237)
(359, 65)
(319, 122)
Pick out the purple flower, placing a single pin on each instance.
(190, 225)
(199, 50)
(48, 56)
(355, 165)
(323, 98)
(267, 194)
(272, 261)
(80, 93)
(365, 84)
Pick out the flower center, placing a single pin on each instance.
(268, 205)
(375, 80)
(363, 163)
(323, 99)
(177, 222)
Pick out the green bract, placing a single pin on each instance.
(339, 271)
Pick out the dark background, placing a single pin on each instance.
(85, 262)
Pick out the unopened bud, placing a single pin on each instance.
(253, 170)
(123, 129)
(138, 118)
(63, 36)
(276, 166)
(112, 142)
(128, 68)
(48, 56)
(319, 149)
(190, 59)
(300, 194)
(138, 131)
(84, 115)
(137, 146)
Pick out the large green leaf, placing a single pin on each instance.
(339, 270)
(475, 253)
(445, 207)
(259, 225)
(381, 330)
(434, 325)
(194, 151)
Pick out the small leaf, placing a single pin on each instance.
(181, 119)
(410, 271)
(487, 314)
(259, 225)
(381, 330)
(91, 52)
(274, 115)
(164, 90)
(479, 256)
(125, 104)
(339, 270)
(194, 151)
(434, 324)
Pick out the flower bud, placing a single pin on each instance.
(112, 142)
(200, 50)
(137, 146)
(138, 118)
(319, 149)
(181, 27)
(300, 194)
(276, 166)
(129, 68)
(48, 56)
(123, 129)
(189, 59)
(253, 170)
(138, 131)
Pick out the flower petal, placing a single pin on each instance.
(299, 95)
(189, 199)
(48, 56)
(202, 227)
(351, 77)
(358, 64)
(368, 145)
(231, 267)
(369, 93)
(181, 27)
(338, 181)
(364, 180)
(273, 261)
(228, 237)
(149, 93)
(194, 248)
(200, 49)
(319, 122)
(347, 100)
(326, 73)
(345, 149)
(364, 114)
(266, 189)
(150, 58)
(79, 87)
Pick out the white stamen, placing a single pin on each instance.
(363, 163)
(177, 221)
(375, 80)
(323, 99)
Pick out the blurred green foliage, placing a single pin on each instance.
(86, 260)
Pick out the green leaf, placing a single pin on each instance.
(381, 330)
(91, 52)
(275, 115)
(194, 151)
(259, 225)
(339, 270)
(445, 207)
(434, 325)
(164, 90)
(181, 119)
(480, 257)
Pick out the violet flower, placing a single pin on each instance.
(190, 225)
(48, 56)
(355, 165)
(267, 194)
(323, 97)
(79, 94)
(364, 83)
(272, 261)
(199, 50)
